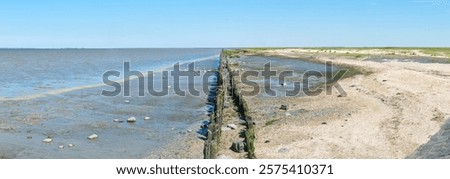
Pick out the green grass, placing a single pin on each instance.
(436, 51)
(250, 140)
(232, 53)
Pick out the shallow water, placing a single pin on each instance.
(279, 64)
(68, 117)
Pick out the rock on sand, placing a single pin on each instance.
(131, 119)
(93, 136)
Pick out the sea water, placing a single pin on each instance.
(57, 94)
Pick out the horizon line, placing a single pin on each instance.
(245, 47)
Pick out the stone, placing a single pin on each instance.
(70, 145)
(47, 140)
(127, 101)
(92, 137)
(222, 156)
(118, 120)
(324, 123)
(284, 107)
(238, 147)
(232, 126)
(189, 130)
(147, 118)
(225, 128)
(288, 114)
(226, 105)
(131, 119)
(61, 146)
(283, 150)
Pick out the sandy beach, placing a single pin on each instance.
(388, 112)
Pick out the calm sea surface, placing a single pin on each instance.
(56, 94)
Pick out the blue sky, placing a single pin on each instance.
(223, 23)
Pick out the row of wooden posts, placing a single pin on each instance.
(225, 74)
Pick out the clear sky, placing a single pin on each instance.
(223, 23)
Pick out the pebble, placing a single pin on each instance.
(189, 130)
(284, 107)
(288, 114)
(47, 140)
(131, 119)
(225, 129)
(324, 123)
(232, 126)
(93, 136)
(118, 120)
(127, 101)
(283, 150)
(70, 145)
(147, 118)
(61, 146)
(238, 146)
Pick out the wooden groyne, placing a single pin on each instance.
(228, 76)
(210, 150)
(243, 111)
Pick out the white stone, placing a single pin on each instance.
(225, 128)
(93, 136)
(47, 140)
(232, 126)
(70, 145)
(131, 119)
(117, 120)
(147, 118)
(127, 101)
(61, 146)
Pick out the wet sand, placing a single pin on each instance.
(388, 113)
